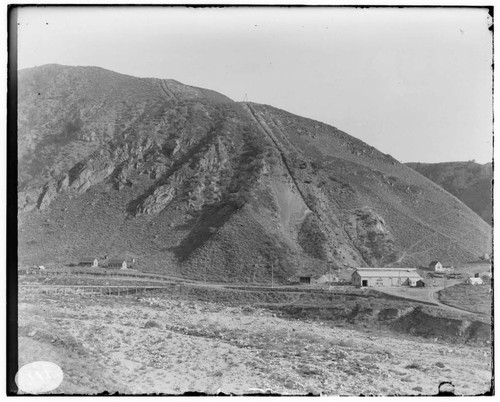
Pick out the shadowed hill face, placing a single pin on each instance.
(470, 182)
(193, 184)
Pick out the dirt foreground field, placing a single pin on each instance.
(148, 345)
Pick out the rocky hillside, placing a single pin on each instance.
(192, 184)
(470, 182)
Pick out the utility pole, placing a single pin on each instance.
(330, 273)
(272, 275)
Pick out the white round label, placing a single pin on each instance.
(39, 377)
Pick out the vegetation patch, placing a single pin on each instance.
(477, 298)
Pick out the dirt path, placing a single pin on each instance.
(409, 248)
(433, 231)
(166, 91)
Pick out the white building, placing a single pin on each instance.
(474, 281)
(436, 266)
(386, 277)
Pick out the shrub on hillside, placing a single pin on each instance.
(152, 324)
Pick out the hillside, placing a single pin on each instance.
(470, 182)
(192, 184)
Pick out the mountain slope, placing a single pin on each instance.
(193, 184)
(470, 182)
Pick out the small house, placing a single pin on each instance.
(436, 266)
(412, 281)
(313, 274)
(117, 263)
(305, 279)
(89, 262)
(420, 283)
(474, 281)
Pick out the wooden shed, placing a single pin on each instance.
(420, 283)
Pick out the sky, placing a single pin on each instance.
(415, 83)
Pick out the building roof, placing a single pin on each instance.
(388, 273)
(386, 269)
(116, 261)
(88, 259)
(297, 276)
(434, 262)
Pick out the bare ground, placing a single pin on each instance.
(162, 345)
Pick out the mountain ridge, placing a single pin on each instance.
(194, 184)
(470, 182)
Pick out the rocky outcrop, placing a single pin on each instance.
(48, 194)
(215, 158)
(122, 176)
(63, 182)
(371, 237)
(194, 183)
(113, 163)
(157, 201)
(42, 197)
(27, 200)
(90, 174)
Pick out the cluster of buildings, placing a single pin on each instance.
(94, 262)
(367, 277)
(386, 277)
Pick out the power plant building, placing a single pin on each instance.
(386, 277)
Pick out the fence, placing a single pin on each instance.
(89, 289)
(100, 272)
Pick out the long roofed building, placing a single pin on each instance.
(385, 277)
